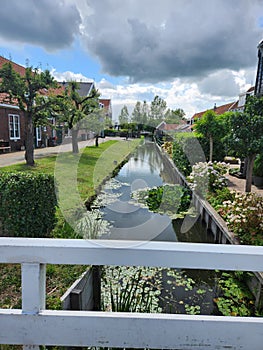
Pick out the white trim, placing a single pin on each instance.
(8, 106)
(13, 124)
(131, 253)
(33, 325)
(131, 330)
(38, 133)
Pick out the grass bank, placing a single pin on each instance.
(92, 167)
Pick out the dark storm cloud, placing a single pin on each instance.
(158, 40)
(48, 23)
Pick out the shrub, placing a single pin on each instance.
(258, 166)
(244, 217)
(208, 177)
(27, 204)
(168, 147)
(217, 198)
(180, 159)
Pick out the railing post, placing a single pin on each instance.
(33, 291)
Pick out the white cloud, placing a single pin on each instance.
(180, 93)
(69, 76)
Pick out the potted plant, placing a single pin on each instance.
(258, 171)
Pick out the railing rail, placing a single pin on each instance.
(34, 325)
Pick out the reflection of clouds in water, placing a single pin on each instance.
(148, 230)
(138, 184)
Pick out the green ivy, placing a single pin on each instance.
(27, 204)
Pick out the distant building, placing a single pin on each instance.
(84, 89)
(259, 78)
(237, 106)
(105, 104)
(217, 109)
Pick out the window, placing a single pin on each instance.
(14, 126)
(38, 133)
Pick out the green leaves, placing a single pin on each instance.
(27, 204)
(235, 299)
(168, 199)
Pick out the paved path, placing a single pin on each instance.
(239, 185)
(19, 157)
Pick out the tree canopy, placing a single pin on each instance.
(246, 134)
(75, 108)
(30, 92)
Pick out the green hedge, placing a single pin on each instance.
(27, 204)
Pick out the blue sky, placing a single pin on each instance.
(191, 53)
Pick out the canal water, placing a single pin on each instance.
(179, 291)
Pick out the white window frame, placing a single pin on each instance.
(14, 126)
(38, 133)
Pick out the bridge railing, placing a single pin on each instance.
(34, 325)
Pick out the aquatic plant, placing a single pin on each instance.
(130, 289)
(172, 200)
(234, 298)
(92, 225)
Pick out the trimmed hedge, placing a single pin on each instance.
(27, 204)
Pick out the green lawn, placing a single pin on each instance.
(92, 165)
(78, 179)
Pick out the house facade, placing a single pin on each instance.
(12, 120)
(105, 104)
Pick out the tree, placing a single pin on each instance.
(174, 116)
(209, 127)
(246, 134)
(124, 115)
(137, 113)
(157, 110)
(75, 108)
(28, 91)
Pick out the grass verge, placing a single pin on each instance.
(95, 165)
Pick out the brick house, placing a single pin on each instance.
(12, 121)
(105, 103)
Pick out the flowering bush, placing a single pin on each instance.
(244, 217)
(207, 177)
(168, 147)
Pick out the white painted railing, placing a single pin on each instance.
(34, 325)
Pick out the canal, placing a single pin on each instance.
(175, 291)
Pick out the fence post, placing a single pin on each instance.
(33, 291)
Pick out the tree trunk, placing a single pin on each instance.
(249, 172)
(29, 141)
(75, 146)
(97, 140)
(210, 148)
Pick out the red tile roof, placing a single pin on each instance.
(218, 110)
(19, 69)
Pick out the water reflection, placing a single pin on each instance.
(130, 221)
(190, 291)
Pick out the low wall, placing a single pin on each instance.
(84, 292)
(215, 224)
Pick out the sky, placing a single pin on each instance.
(191, 53)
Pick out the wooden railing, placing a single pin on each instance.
(33, 325)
